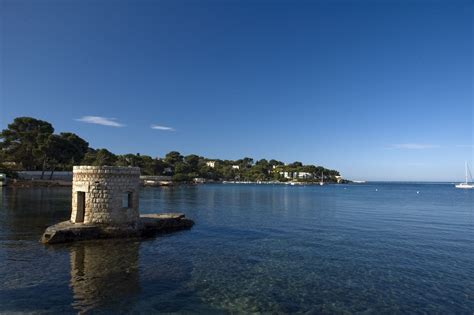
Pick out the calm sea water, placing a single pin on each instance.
(375, 248)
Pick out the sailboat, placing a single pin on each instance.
(322, 179)
(466, 185)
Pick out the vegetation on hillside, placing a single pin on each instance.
(31, 144)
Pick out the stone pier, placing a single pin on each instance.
(105, 204)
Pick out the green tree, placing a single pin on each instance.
(181, 168)
(24, 141)
(99, 157)
(193, 161)
(173, 157)
(296, 164)
(76, 148)
(104, 157)
(58, 150)
(158, 166)
(246, 162)
(275, 162)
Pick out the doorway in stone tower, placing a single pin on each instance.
(81, 206)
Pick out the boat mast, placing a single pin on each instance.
(466, 171)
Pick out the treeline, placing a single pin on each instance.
(31, 144)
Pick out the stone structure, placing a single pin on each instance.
(105, 195)
(105, 205)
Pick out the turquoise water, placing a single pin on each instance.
(336, 249)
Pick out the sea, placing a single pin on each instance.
(373, 248)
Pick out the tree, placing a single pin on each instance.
(105, 157)
(275, 163)
(158, 166)
(296, 164)
(99, 157)
(128, 160)
(146, 164)
(262, 162)
(228, 173)
(58, 150)
(173, 157)
(182, 168)
(246, 162)
(24, 141)
(193, 162)
(76, 146)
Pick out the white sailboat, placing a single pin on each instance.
(466, 184)
(321, 183)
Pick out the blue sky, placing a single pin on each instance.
(380, 90)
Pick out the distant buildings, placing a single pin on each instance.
(235, 167)
(211, 164)
(296, 175)
(305, 175)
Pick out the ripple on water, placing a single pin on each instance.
(253, 249)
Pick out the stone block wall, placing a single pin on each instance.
(105, 188)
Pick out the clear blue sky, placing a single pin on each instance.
(380, 90)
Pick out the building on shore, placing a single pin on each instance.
(211, 164)
(304, 175)
(296, 175)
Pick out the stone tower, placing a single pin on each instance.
(105, 195)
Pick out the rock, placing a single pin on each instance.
(148, 225)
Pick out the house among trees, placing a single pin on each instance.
(211, 164)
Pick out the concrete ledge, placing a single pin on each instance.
(148, 225)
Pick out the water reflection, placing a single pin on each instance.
(104, 274)
(26, 212)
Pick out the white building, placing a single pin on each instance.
(287, 175)
(235, 167)
(211, 164)
(294, 175)
(304, 175)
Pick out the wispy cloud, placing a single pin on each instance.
(158, 127)
(98, 120)
(414, 146)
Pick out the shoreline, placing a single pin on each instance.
(28, 183)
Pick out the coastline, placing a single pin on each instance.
(28, 183)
